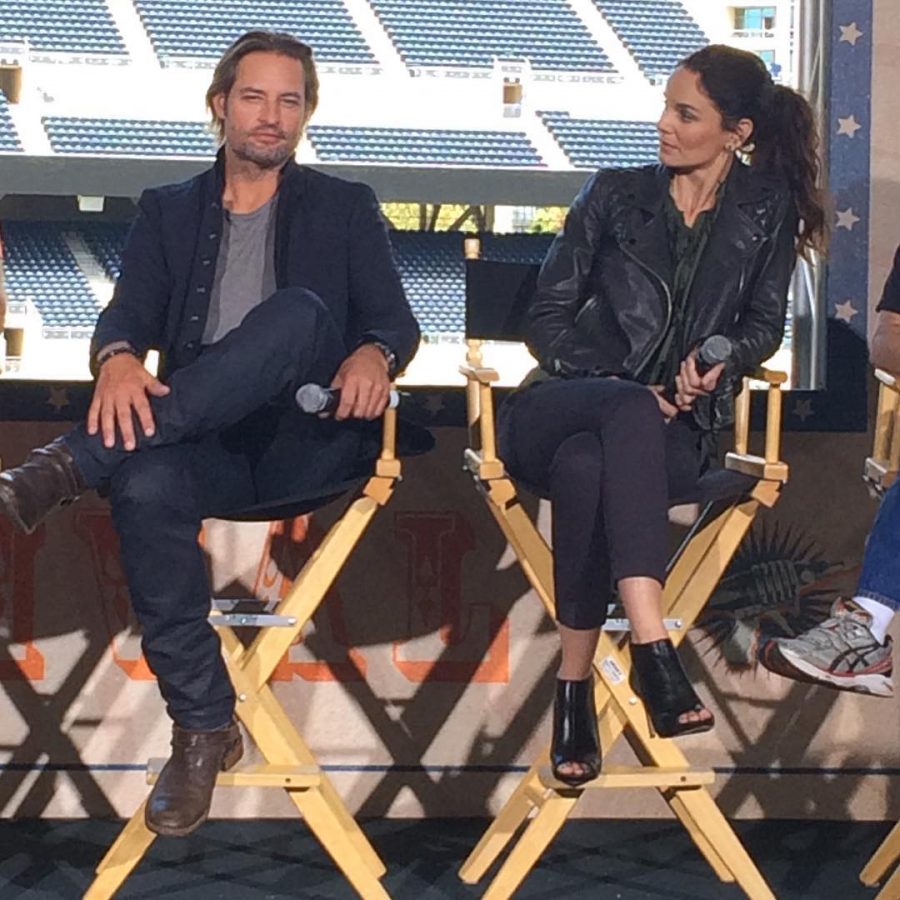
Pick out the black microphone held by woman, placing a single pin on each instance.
(664, 279)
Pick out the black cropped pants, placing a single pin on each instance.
(603, 453)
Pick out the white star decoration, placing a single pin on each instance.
(59, 398)
(846, 218)
(848, 126)
(845, 311)
(850, 33)
(803, 409)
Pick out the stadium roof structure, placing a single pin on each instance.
(59, 175)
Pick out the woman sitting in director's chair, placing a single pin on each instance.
(621, 415)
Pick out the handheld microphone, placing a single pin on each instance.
(314, 399)
(714, 350)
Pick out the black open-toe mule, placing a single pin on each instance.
(665, 689)
(575, 737)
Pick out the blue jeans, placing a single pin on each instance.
(880, 577)
(214, 433)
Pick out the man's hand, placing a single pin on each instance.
(668, 410)
(364, 384)
(690, 384)
(122, 390)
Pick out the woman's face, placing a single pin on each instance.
(691, 135)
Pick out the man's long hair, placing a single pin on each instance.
(261, 42)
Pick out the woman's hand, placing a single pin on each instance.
(690, 384)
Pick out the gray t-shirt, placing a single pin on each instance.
(245, 269)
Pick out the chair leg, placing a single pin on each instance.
(709, 852)
(280, 743)
(891, 889)
(883, 858)
(528, 849)
(720, 836)
(501, 831)
(324, 821)
(126, 852)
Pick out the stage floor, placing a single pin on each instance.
(590, 859)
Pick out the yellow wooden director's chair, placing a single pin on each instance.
(880, 473)
(289, 764)
(724, 508)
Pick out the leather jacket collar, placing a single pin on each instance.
(747, 207)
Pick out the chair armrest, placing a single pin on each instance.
(387, 464)
(769, 466)
(769, 376)
(481, 374)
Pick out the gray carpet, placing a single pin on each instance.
(589, 859)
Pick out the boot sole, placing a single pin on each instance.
(232, 758)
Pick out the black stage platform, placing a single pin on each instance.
(590, 859)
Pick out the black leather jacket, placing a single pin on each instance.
(603, 295)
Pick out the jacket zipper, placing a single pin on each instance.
(669, 306)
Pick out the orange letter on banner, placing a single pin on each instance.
(471, 644)
(289, 545)
(17, 556)
(96, 528)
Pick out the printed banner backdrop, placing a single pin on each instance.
(424, 684)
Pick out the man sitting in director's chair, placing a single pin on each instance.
(251, 279)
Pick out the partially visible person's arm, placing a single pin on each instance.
(884, 347)
(133, 319)
(2, 289)
(2, 297)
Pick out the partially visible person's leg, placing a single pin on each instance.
(159, 497)
(850, 650)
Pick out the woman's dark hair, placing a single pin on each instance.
(262, 42)
(785, 138)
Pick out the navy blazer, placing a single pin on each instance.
(330, 238)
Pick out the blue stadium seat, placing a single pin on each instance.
(601, 143)
(67, 26)
(40, 267)
(106, 240)
(204, 28)
(472, 32)
(9, 138)
(658, 33)
(423, 146)
(128, 137)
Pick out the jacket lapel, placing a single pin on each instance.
(642, 232)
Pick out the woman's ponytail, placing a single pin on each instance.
(785, 138)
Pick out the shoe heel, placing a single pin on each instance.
(233, 754)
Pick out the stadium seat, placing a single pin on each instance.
(657, 33)
(63, 26)
(203, 28)
(548, 33)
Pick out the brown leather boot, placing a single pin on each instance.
(46, 480)
(179, 801)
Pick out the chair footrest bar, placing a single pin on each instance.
(262, 775)
(636, 777)
(251, 620)
(625, 625)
